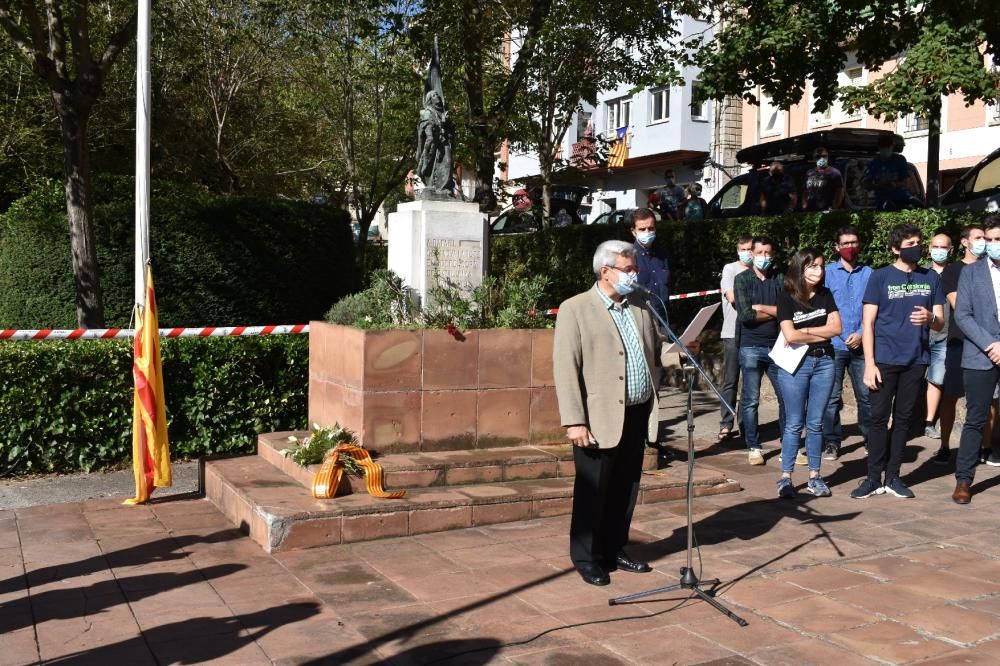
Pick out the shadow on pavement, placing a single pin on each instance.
(62, 604)
(160, 550)
(195, 640)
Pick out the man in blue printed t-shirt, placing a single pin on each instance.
(901, 302)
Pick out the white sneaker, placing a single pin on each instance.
(755, 457)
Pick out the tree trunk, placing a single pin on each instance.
(76, 171)
(485, 170)
(546, 174)
(934, 155)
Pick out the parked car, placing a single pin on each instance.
(525, 215)
(620, 216)
(373, 232)
(850, 149)
(978, 188)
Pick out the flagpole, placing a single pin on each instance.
(142, 123)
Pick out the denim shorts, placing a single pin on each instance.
(935, 371)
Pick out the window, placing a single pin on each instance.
(699, 105)
(772, 119)
(993, 107)
(988, 179)
(820, 118)
(852, 77)
(659, 105)
(619, 113)
(913, 124)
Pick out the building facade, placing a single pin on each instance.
(667, 127)
(968, 133)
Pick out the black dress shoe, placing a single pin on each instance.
(593, 574)
(626, 563)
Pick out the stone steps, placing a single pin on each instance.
(442, 468)
(278, 513)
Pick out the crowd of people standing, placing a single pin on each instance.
(893, 330)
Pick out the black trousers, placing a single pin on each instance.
(979, 385)
(605, 491)
(896, 395)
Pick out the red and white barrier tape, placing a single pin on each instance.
(113, 333)
(691, 294)
(695, 294)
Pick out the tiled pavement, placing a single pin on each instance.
(821, 581)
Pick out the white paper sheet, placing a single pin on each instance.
(694, 329)
(788, 356)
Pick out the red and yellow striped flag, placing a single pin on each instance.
(150, 448)
(619, 149)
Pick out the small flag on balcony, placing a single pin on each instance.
(619, 149)
(150, 448)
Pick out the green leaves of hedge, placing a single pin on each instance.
(67, 406)
(218, 260)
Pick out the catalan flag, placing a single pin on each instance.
(150, 448)
(619, 149)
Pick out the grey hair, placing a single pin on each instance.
(610, 250)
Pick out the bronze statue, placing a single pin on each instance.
(435, 137)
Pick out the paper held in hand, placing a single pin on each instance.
(788, 355)
(693, 330)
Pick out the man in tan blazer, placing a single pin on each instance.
(604, 362)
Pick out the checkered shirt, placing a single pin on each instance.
(638, 381)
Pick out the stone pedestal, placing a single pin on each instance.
(446, 237)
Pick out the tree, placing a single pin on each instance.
(359, 80)
(64, 52)
(475, 37)
(583, 47)
(940, 43)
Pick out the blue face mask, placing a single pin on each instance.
(762, 263)
(626, 282)
(821, 163)
(746, 256)
(978, 247)
(646, 238)
(993, 249)
(939, 255)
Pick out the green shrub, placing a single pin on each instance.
(217, 260)
(697, 252)
(67, 406)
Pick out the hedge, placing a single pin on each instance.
(67, 406)
(217, 260)
(698, 252)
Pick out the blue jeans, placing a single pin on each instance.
(754, 364)
(805, 394)
(730, 379)
(854, 363)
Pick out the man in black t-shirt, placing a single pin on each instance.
(777, 193)
(824, 184)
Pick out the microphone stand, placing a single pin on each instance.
(705, 589)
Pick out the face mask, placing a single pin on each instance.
(849, 254)
(993, 249)
(911, 255)
(746, 256)
(821, 163)
(885, 153)
(762, 263)
(626, 282)
(938, 255)
(670, 182)
(646, 237)
(978, 247)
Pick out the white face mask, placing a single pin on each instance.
(626, 282)
(646, 238)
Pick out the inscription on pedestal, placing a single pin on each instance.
(456, 261)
